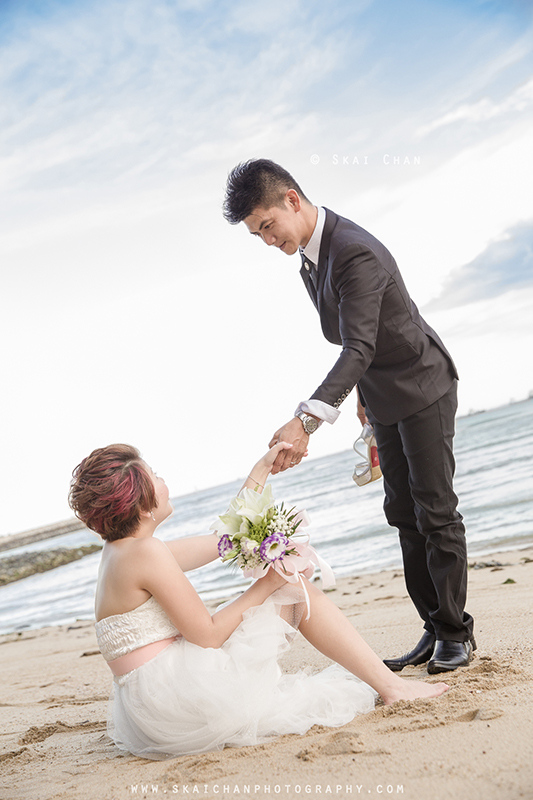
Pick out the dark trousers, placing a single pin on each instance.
(416, 458)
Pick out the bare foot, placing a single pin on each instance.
(412, 690)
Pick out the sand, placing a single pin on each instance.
(474, 742)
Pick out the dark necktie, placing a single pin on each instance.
(311, 269)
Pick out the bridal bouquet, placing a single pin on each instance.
(255, 535)
(255, 532)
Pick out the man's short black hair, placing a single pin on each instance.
(254, 183)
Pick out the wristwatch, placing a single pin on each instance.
(310, 423)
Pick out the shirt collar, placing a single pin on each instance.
(312, 248)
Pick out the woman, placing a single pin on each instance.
(187, 681)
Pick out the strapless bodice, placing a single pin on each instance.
(122, 633)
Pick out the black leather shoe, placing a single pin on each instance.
(451, 655)
(419, 655)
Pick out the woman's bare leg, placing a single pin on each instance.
(334, 635)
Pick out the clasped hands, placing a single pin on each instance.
(293, 433)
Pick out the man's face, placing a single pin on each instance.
(281, 226)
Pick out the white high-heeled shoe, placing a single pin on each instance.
(368, 469)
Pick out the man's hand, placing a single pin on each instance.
(293, 432)
(361, 413)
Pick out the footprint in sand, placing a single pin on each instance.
(18, 757)
(204, 768)
(72, 700)
(338, 744)
(482, 713)
(341, 743)
(39, 734)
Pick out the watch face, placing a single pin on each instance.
(310, 423)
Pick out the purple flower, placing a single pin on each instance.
(273, 547)
(224, 545)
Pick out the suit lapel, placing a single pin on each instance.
(323, 266)
(317, 295)
(309, 285)
(323, 253)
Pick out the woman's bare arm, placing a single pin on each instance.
(158, 573)
(192, 552)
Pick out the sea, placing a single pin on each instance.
(494, 482)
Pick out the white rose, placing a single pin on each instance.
(248, 546)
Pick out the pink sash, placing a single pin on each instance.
(138, 657)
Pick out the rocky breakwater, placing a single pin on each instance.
(14, 568)
(22, 565)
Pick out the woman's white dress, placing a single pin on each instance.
(190, 699)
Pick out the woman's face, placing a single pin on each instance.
(164, 507)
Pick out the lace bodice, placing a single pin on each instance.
(122, 633)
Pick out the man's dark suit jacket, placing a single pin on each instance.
(398, 361)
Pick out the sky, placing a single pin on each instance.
(132, 312)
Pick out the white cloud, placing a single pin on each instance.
(485, 109)
(446, 217)
(506, 263)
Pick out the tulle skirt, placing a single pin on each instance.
(189, 699)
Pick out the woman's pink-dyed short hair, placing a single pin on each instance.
(110, 489)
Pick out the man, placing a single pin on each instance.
(407, 388)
